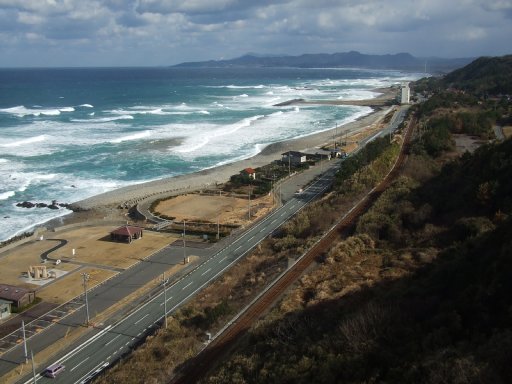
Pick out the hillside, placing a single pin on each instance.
(403, 61)
(492, 75)
(420, 293)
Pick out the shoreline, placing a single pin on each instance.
(130, 195)
(113, 205)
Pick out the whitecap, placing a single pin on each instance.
(67, 109)
(135, 136)
(19, 143)
(6, 195)
(86, 105)
(204, 112)
(103, 119)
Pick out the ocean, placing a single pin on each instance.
(71, 133)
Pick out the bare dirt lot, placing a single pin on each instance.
(466, 143)
(228, 209)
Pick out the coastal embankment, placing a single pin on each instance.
(131, 195)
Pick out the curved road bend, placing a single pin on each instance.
(103, 346)
(106, 345)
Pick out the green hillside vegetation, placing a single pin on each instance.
(486, 75)
(421, 292)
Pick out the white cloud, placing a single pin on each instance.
(204, 29)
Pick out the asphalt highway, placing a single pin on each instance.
(108, 342)
(106, 345)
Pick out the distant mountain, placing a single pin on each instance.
(484, 75)
(402, 61)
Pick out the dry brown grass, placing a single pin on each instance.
(226, 208)
(507, 131)
(62, 290)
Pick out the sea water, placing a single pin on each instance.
(68, 134)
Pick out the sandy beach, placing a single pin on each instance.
(131, 195)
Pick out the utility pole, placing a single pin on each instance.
(218, 227)
(85, 277)
(289, 163)
(184, 244)
(33, 368)
(249, 205)
(24, 341)
(164, 282)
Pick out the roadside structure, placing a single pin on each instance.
(250, 172)
(126, 233)
(18, 296)
(293, 157)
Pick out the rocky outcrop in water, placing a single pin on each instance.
(53, 205)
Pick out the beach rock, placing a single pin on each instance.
(53, 206)
(26, 204)
(41, 205)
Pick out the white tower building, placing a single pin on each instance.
(405, 94)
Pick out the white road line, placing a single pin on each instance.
(273, 221)
(221, 260)
(162, 303)
(282, 214)
(205, 272)
(186, 286)
(79, 364)
(238, 248)
(113, 339)
(251, 238)
(142, 318)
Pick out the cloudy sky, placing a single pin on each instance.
(163, 32)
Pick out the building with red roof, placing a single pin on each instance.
(126, 233)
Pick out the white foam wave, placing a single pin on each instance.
(19, 143)
(103, 119)
(204, 112)
(86, 105)
(198, 141)
(232, 86)
(6, 195)
(135, 136)
(22, 111)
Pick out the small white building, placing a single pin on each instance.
(5, 309)
(405, 94)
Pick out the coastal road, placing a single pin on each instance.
(106, 345)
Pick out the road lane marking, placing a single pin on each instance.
(238, 248)
(112, 340)
(79, 364)
(169, 298)
(221, 260)
(205, 272)
(273, 221)
(186, 286)
(251, 238)
(142, 318)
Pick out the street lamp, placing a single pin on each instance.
(85, 277)
(164, 283)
